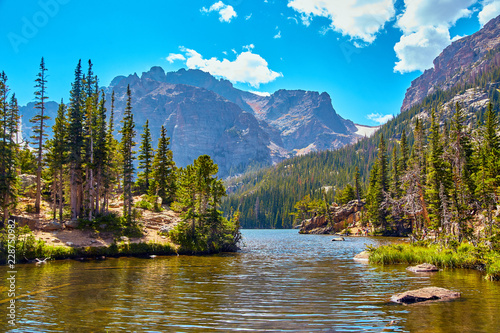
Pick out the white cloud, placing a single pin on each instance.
(248, 47)
(378, 118)
(278, 35)
(425, 25)
(247, 68)
(356, 19)
(416, 51)
(175, 56)
(226, 12)
(434, 13)
(248, 17)
(491, 9)
(457, 37)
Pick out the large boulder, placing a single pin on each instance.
(423, 268)
(72, 224)
(424, 295)
(52, 226)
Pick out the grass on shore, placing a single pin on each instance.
(27, 247)
(464, 255)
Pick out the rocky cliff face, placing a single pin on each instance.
(204, 115)
(340, 218)
(198, 122)
(463, 61)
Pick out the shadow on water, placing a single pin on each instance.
(279, 281)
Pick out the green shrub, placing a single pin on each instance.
(144, 204)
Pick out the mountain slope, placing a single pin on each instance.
(462, 62)
(238, 129)
(198, 122)
(266, 198)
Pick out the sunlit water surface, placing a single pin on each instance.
(279, 281)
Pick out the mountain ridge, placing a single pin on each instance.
(461, 62)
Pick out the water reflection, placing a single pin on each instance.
(281, 281)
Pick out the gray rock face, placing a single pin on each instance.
(463, 61)
(204, 115)
(425, 294)
(198, 122)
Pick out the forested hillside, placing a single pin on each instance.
(266, 198)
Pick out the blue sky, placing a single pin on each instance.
(364, 53)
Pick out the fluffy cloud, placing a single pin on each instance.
(416, 51)
(356, 19)
(175, 56)
(226, 12)
(434, 13)
(425, 25)
(247, 68)
(491, 9)
(378, 118)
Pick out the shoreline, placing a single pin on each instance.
(464, 256)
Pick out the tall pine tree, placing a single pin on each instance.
(39, 122)
(146, 155)
(127, 145)
(163, 170)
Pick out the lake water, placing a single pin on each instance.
(280, 281)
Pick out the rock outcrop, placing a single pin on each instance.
(463, 61)
(423, 268)
(424, 295)
(340, 217)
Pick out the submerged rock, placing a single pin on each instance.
(423, 268)
(425, 294)
(363, 256)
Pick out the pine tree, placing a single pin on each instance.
(100, 152)
(59, 158)
(357, 184)
(403, 161)
(76, 136)
(127, 145)
(461, 161)
(438, 175)
(163, 184)
(487, 176)
(39, 124)
(112, 157)
(396, 183)
(8, 150)
(146, 155)
(185, 198)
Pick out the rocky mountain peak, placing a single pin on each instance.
(460, 62)
(156, 73)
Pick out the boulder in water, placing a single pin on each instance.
(423, 268)
(424, 295)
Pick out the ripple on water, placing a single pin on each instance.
(280, 281)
